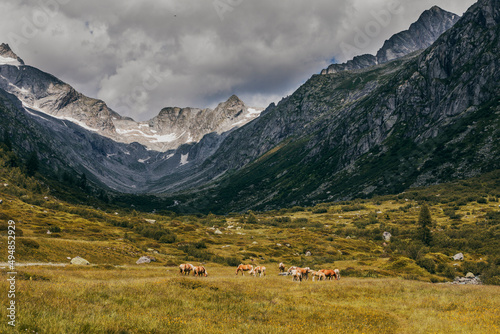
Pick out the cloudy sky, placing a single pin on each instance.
(141, 56)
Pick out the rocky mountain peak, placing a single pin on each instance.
(431, 24)
(234, 100)
(6, 52)
(232, 107)
(426, 30)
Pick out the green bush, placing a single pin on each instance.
(428, 264)
(233, 261)
(352, 207)
(168, 238)
(30, 243)
(446, 270)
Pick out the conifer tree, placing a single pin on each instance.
(425, 222)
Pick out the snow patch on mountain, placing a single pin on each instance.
(10, 61)
(184, 159)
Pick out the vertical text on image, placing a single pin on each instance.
(11, 275)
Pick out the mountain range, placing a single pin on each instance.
(424, 110)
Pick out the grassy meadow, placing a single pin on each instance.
(153, 299)
(387, 286)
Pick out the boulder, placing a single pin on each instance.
(143, 259)
(79, 261)
(387, 236)
(458, 257)
(308, 253)
(217, 231)
(470, 275)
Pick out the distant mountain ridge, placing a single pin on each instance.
(170, 129)
(421, 34)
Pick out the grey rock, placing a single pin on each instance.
(143, 259)
(458, 257)
(79, 261)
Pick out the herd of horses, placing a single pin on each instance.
(186, 269)
(297, 273)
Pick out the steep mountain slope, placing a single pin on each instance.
(421, 34)
(423, 119)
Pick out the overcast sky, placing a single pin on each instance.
(141, 56)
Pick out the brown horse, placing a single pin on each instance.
(199, 271)
(320, 275)
(304, 272)
(329, 273)
(259, 270)
(243, 268)
(185, 268)
(281, 267)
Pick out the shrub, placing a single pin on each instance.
(428, 264)
(296, 209)
(446, 270)
(30, 243)
(55, 229)
(352, 207)
(168, 238)
(233, 261)
(252, 219)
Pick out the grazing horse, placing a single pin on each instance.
(304, 271)
(320, 275)
(259, 270)
(296, 275)
(289, 271)
(281, 267)
(186, 268)
(199, 271)
(329, 273)
(243, 268)
(337, 272)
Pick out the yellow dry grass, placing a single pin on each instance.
(157, 300)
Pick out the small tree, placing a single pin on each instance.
(425, 222)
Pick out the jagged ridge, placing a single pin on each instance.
(421, 34)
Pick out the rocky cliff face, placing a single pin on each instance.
(421, 34)
(426, 118)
